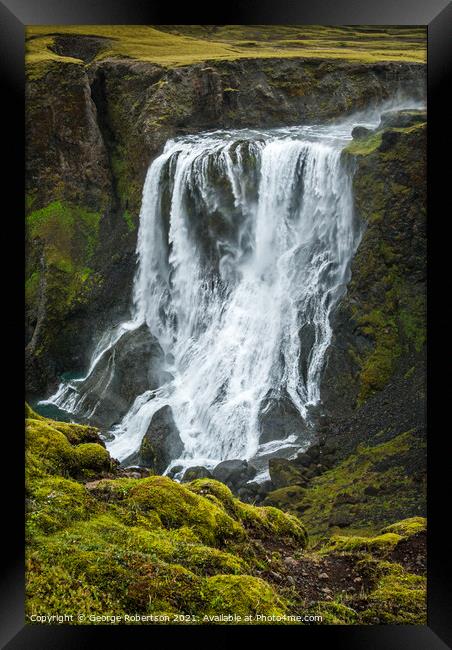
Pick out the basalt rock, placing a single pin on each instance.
(120, 375)
(278, 419)
(234, 473)
(161, 442)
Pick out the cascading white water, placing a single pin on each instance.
(245, 238)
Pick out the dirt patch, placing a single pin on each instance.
(411, 553)
(85, 48)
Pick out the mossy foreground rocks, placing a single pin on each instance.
(108, 544)
(106, 547)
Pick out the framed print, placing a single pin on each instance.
(231, 239)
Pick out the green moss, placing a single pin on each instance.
(260, 521)
(387, 269)
(129, 221)
(68, 234)
(48, 450)
(76, 433)
(378, 481)
(399, 597)
(56, 502)
(56, 224)
(364, 146)
(177, 506)
(241, 595)
(382, 544)
(32, 415)
(334, 613)
(153, 546)
(407, 527)
(92, 456)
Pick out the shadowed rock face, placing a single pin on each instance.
(279, 419)
(162, 442)
(126, 370)
(233, 473)
(379, 326)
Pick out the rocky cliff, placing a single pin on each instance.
(92, 131)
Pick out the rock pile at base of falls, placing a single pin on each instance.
(238, 474)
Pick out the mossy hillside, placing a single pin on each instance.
(398, 598)
(395, 595)
(116, 545)
(373, 487)
(184, 45)
(68, 236)
(387, 272)
(390, 594)
(62, 238)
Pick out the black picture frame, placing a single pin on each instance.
(14, 16)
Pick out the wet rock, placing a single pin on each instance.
(360, 132)
(161, 442)
(279, 419)
(234, 473)
(174, 471)
(303, 460)
(120, 375)
(265, 487)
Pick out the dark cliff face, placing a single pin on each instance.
(373, 385)
(91, 134)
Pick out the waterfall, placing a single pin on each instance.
(244, 249)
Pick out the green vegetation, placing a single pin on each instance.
(393, 314)
(69, 232)
(398, 597)
(187, 44)
(372, 487)
(119, 545)
(61, 277)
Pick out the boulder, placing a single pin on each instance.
(175, 470)
(278, 419)
(129, 368)
(303, 460)
(284, 472)
(234, 473)
(360, 132)
(161, 442)
(192, 473)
